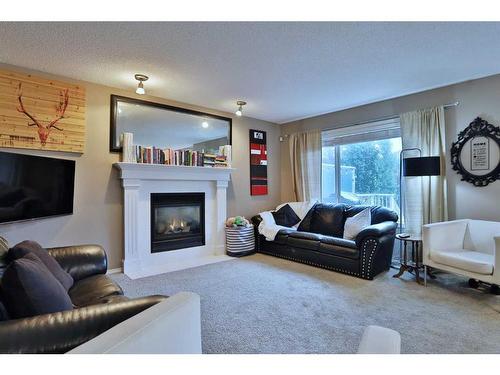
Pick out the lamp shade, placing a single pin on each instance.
(422, 166)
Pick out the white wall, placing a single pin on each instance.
(477, 98)
(98, 206)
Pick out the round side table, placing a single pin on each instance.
(411, 259)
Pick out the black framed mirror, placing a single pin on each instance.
(162, 125)
(476, 153)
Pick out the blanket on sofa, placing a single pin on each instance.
(268, 227)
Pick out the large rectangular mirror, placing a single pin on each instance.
(166, 126)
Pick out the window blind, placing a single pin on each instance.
(366, 132)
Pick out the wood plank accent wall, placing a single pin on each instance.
(41, 98)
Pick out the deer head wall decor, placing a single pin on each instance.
(44, 130)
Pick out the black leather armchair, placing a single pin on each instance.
(99, 305)
(320, 240)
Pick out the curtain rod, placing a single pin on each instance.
(386, 118)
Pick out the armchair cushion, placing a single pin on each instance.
(472, 261)
(26, 247)
(29, 289)
(93, 290)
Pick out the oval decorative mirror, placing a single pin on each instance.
(476, 153)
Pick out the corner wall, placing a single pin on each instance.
(98, 203)
(479, 97)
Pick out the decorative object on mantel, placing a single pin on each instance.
(240, 239)
(129, 153)
(41, 114)
(476, 153)
(258, 162)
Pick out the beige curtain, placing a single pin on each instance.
(425, 198)
(305, 159)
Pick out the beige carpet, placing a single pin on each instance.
(262, 304)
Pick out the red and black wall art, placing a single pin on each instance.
(258, 162)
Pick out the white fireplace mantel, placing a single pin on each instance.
(139, 181)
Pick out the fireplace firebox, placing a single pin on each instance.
(177, 221)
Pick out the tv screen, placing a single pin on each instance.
(34, 187)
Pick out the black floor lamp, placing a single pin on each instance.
(415, 167)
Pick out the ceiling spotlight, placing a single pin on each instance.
(140, 87)
(240, 104)
(204, 124)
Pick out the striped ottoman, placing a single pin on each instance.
(240, 241)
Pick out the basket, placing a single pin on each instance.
(240, 241)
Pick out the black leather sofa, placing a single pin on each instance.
(99, 304)
(320, 241)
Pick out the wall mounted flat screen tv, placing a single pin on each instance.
(34, 187)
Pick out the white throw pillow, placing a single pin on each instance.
(355, 224)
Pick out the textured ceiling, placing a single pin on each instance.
(285, 71)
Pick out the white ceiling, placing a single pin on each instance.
(285, 71)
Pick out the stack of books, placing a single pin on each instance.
(168, 156)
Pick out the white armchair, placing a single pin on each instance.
(469, 248)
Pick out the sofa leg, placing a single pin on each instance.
(425, 275)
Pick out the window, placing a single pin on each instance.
(360, 164)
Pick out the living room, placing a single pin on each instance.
(249, 187)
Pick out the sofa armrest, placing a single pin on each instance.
(62, 331)
(375, 244)
(376, 231)
(446, 235)
(81, 261)
(170, 327)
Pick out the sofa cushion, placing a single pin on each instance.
(338, 247)
(282, 236)
(304, 240)
(92, 290)
(286, 216)
(472, 261)
(26, 247)
(305, 224)
(378, 214)
(328, 219)
(30, 289)
(355, 224)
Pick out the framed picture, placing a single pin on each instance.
(476, 153)
(258, 162)
(41, 114)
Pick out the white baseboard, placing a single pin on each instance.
(137, 270)
(114, 270)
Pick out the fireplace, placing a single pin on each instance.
(177, 221)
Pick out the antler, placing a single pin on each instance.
(21, 107)
(61, 108)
